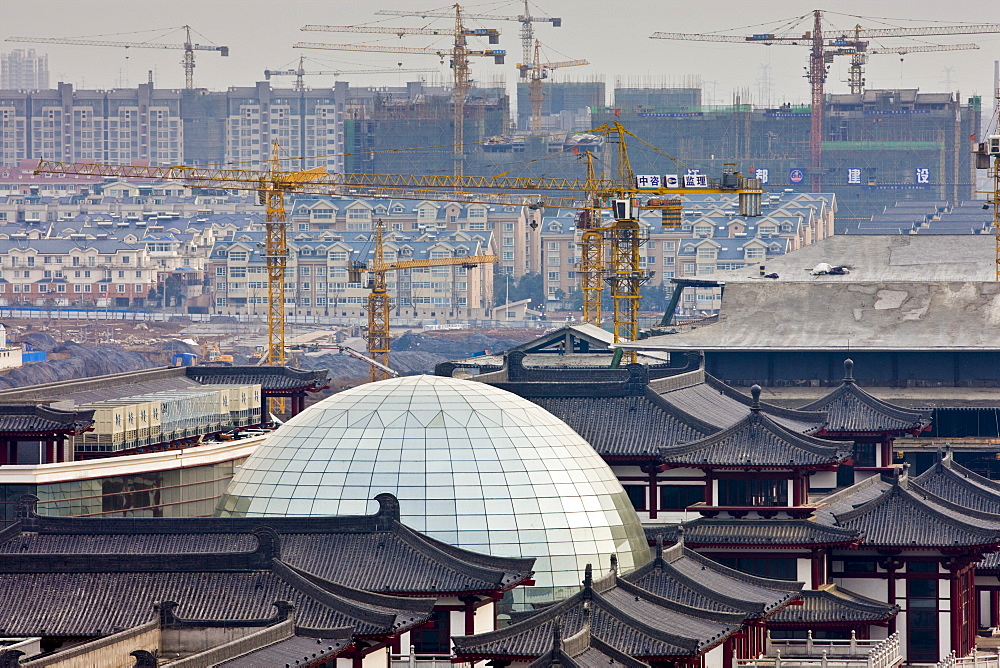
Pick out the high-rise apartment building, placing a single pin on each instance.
(24, 70)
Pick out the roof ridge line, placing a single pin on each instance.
(337, 601)
(766, 583)
(692, 645)
(419, 543)
(677, 606)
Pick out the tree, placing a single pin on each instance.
(529, 286)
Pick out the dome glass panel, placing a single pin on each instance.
(472, 465)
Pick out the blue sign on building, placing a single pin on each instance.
(796, 175)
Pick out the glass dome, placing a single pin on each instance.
(472, 465)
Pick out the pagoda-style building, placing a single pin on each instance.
(37, 434)
(757, 467)
(681, 609)
(917, 551)
(78, 580)
(872, 424)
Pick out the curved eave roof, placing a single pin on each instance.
(901, 518)
(623, 428)
(757, 442)
(683, 575)
(832, 606)
(621, 614)
(750, 533)
(960, 486)
(851, 410)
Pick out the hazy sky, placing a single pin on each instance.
(614, 36)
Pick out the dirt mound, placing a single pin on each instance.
(76, 361)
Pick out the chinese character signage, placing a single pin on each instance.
(761, 174)
(853, 176)
(648, 181)
(695, 179)
(922, 175)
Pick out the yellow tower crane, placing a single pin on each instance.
(273, 184)
(611, 249)
(379, 300)
(188, 46)
(621, 239)
(459, 53)
(536, 72)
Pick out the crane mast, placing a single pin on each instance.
(822, 51)
(459, 53)
(187, 60)
(380, 302)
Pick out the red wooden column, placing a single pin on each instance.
(994, 607)
(470, 614)
(50, 451)
(4, 452)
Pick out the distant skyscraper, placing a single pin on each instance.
(23, 70)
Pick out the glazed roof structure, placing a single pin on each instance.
(853, 412)
(710, 532)
(757, 442)
(96, 595)
(41, 419)
(682, 575)
(832, 606)
(710, 400)
(298, 649)
(893, 514)
(583, 650)
(629, 427)
(369, 552)
(953, 482)
(680, 604)
(629, 618)
(270, 379)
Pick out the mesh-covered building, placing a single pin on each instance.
(879, 147)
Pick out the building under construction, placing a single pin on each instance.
(411, 129)
(879, 147)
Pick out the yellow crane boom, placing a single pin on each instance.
(459, 53)
(380, 302)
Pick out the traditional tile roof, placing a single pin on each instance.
(38, 419)
(757, 441)
(295, 650)
(708, 532)
(902, 517)
(44, 601)
(716, 403)
(957, 484)
(621, 614)
(831, 606)
(371, 553)
(583, 650)
(682, 575)
(626, 427)
(852, 411)
(271, 379)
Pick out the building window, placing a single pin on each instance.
(864, 455)
(637, 495)
(679, 497)
(435, 637)
(922, 617)
(777, 569)
(753, 492)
